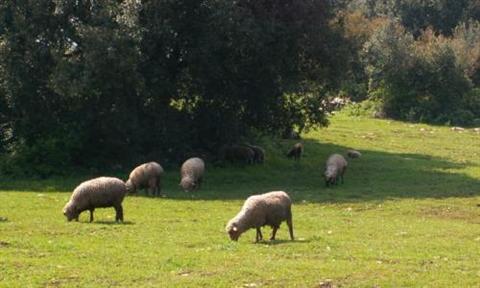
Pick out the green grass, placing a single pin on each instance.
(406, 216)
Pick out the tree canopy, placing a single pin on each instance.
(104, 83)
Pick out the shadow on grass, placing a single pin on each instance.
(283, 241)
(375, 176)
(103, 222)
(3, 219)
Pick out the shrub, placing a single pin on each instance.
(418, 80)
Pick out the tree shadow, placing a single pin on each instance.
(104, 222)
(376, 176)
(283, 241)
(53, 184)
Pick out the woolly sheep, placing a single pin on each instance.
(460, 129)
(96, 193)
(296, 151)
(237, 154)
(353, 154)
(335, 167)
(146, 176)
(192, 174)
(270, 209)
(258, 153)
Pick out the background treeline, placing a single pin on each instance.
(415, 60)
(107, 84)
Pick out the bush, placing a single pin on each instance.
(158, 80)
(418, 80)
(368, 108)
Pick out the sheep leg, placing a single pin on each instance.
(290, 224)
(91, 215)
(156, 192)
(159, 187)
(152, 186)
(274, 232)
(199, 183)
(259, 235)
(119, 213)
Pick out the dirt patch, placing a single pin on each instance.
(61, 281)
(4, 244)
(326, 284)
(451, 213)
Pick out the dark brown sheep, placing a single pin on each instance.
(296, 151)
(259, 153)
(354, 154)
(237, 154)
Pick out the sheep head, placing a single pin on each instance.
(188, 184)
(329, 176)
(130, 187)
(233, 231)
(70, 211)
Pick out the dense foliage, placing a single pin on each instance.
(419, 60)
(104, 83)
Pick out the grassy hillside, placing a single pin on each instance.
(406, 216)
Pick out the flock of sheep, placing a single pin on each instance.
(269, 209)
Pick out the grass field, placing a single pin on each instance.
(407, 216)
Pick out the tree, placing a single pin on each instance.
(226, 65)
(109, 83)
(417, 80)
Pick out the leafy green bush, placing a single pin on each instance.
(420, 80)
(158, 80)
(367, 108)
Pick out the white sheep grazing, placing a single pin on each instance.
(335, 169)
(146, 176)
(192, 174)
(259, 210)
(460, 129)
(96, 193)
(354, 154)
